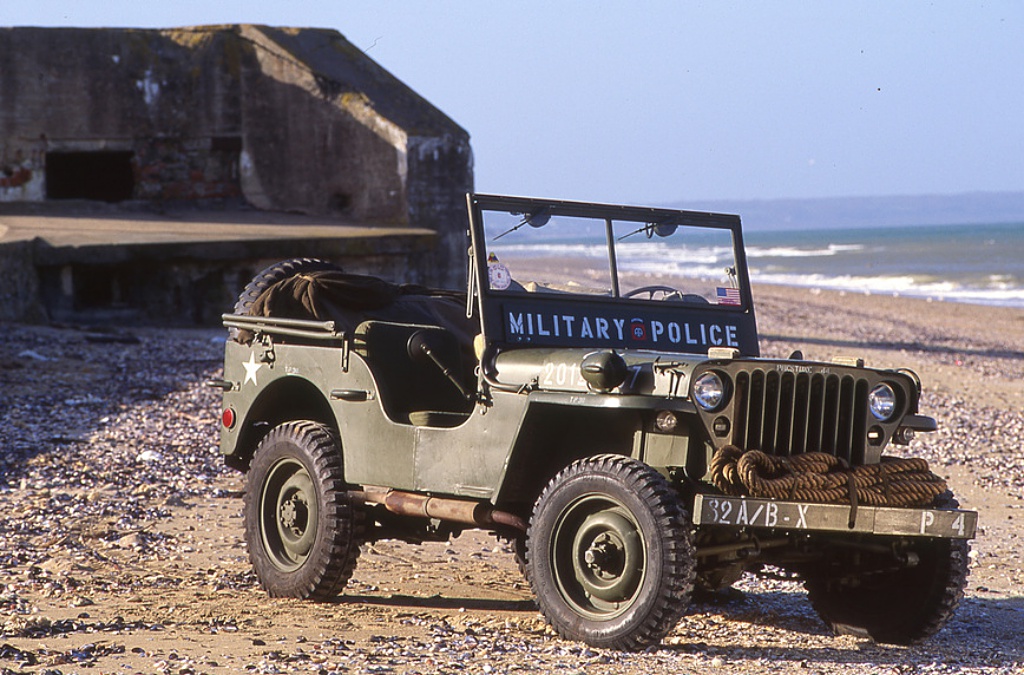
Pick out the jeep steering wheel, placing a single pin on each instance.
(668, 292)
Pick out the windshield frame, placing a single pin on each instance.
(495, 305)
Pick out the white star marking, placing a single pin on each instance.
(251, 368)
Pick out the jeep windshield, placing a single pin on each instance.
(572, 274)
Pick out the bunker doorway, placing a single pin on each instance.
(105, 176)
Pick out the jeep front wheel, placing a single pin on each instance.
(897, 605)
(301, 528)
(610, 553)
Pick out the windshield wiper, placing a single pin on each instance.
(538, 218)
(651, 229)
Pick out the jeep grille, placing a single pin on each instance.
(791, 413)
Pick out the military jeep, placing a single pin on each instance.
(597, 397)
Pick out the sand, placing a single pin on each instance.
(115, 562)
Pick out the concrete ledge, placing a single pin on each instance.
(68, 261)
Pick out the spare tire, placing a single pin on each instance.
(268, 277)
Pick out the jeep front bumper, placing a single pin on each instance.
(805, 517)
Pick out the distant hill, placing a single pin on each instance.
(851, 212)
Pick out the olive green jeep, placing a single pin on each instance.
(597, 397)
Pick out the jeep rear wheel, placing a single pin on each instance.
(610, 555)
(302, 530)
(897, 606)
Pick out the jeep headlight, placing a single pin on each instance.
(882, 401)
(709, 391)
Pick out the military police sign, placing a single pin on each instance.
(677, 329)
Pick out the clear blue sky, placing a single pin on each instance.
(656, 102)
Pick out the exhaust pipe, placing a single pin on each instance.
(455, 510)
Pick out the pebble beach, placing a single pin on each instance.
(121, 535)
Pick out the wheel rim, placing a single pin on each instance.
(598, 556)
(288, 514)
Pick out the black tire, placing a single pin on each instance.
(610, 553)
(302, 530)
(896, 606)
(519, 553)
(268, 277)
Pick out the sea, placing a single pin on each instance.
(978, 264)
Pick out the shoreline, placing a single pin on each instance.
(901, 284)
(926, 297)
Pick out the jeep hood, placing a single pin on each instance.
(649, 373)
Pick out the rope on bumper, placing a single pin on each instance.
(825, 479)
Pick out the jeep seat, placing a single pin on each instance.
(415, 391)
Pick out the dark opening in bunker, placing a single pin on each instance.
(101, 176)
(100, 286)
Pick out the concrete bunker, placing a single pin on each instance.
(256, 129)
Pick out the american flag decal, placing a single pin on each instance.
(728, 296)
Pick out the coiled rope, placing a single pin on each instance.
(825, 479)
